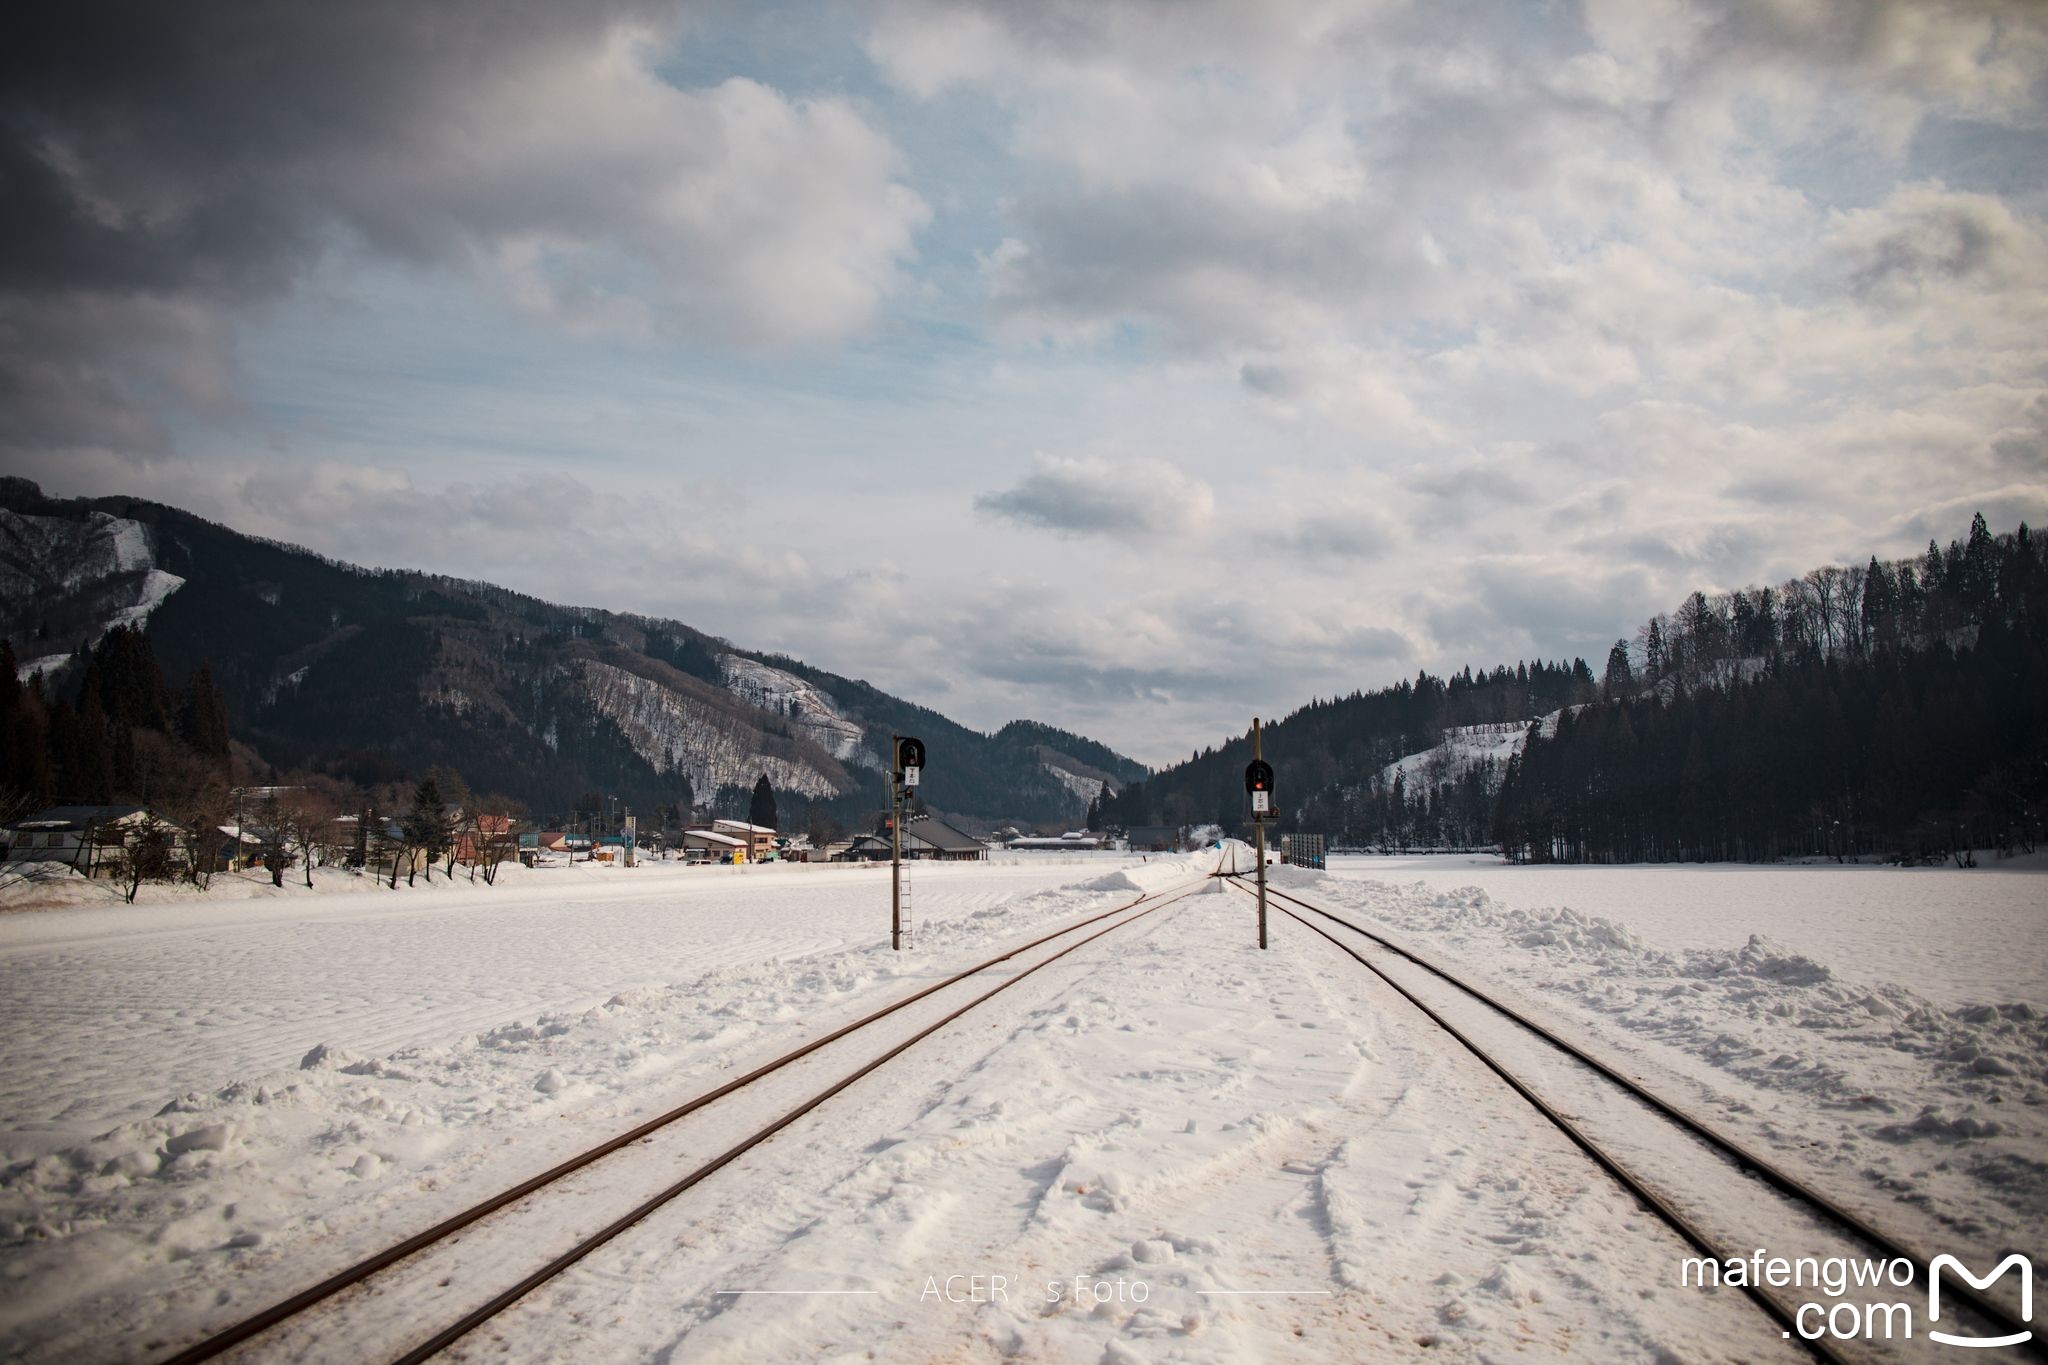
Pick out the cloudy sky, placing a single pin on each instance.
(1134, 365)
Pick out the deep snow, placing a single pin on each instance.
(1960, 936)
(208, 1104)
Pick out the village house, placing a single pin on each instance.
(926, 838)
(709, 845)
(1071, 841)
(90, 839)
(759, 839)
(473, 841)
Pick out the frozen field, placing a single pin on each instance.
(214, 1103)
(1960, 936)
(109, 1009)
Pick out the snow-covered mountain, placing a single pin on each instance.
(1463, 748)
(717, 747)
(810, 708)
(380, 673)
(66, 581)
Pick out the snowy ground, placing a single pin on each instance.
(110, 1009)
(204, 1105)
(1911, 1082)
(1960, 936)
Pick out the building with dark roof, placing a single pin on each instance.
(926, 838)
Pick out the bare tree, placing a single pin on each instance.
(1799, 615)
(490, 828)
(274, 832)
(310, 813)
(149, 854)
(1849, 608)
(1825, 590)
(390, 841)
(204, 810)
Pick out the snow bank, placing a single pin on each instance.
(1900, 1097)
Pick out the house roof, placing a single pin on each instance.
(60, 817)
(741, 824)
(713, 836)
(940, 835)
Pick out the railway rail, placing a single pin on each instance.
(369, 1276)
(1738, 1159)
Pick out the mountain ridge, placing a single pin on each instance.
(373, 673)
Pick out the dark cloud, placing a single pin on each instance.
(162, 166)
(155, 148)
(1103, 497)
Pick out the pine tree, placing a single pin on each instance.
(202, 715)
(426, 827)
(1620, 678)
(761, 809)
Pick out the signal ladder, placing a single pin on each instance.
(909, 919)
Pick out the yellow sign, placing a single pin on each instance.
(738, 856)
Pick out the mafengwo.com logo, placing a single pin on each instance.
(1846, 1312)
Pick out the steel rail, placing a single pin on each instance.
(1745, 1158)
(475, 1318)
(1649, 1198)
(356, 1273)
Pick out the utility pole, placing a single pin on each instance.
(1259, 834)
(906, 764)
(896, 843)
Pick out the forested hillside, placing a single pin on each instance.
(1897, 709)
(373, 677)
(1892, 709)
(1330, 756)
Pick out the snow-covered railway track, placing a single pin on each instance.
(1700, 1182)
(456, 1270)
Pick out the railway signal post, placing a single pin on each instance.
(1258, 782)
(906, 766)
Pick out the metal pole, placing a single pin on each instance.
(1259, 836)
(895, 843)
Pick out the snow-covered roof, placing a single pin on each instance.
(741, 824)
(713, 836)
(77, 817)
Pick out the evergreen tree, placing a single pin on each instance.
(761, 809)
(203, 716)
(426, 828)
(1620, 679)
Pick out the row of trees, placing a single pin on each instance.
(315, 820)
(1839, 612)
(1851, 710)
(1113, 810)
(117, 732)
(1330, 754)
(1922, 754)
(1896, 710)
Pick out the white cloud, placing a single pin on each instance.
(1365, 335)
